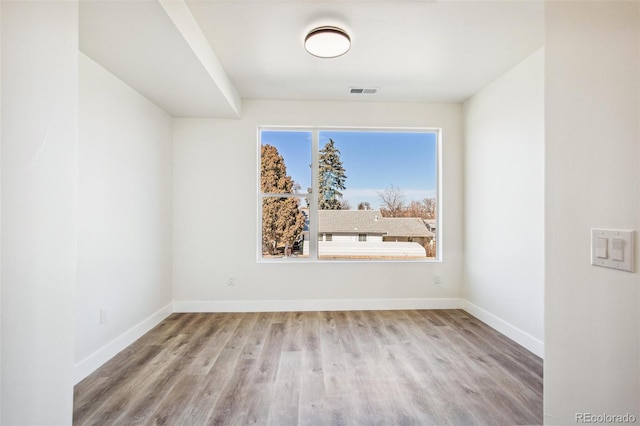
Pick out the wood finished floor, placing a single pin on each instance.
(409, 367)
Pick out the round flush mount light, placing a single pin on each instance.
(327, 42)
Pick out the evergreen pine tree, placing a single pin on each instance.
(331, 178)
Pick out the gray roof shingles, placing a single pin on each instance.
(371, 222)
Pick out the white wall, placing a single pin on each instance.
(354, 238)
(592, 159)
(0, 214)
(39, 209)
(504, 203)
(124, 222)
(215, 207)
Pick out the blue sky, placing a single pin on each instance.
(372, 160)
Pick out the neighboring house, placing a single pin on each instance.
(366, 233)
(431, 224)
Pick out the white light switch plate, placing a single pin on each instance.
(619, 253)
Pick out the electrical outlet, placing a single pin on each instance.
(437, 280)
(231, 281)
(104, 315)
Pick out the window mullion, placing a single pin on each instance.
(313, 197)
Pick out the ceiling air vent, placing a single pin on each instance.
(363, 91)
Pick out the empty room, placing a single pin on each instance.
(319, 212)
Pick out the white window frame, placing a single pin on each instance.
(314, 237)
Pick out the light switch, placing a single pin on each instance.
(613, 248)
(602, 245)
(617, 249)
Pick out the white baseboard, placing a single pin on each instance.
(88, 365)
(528, 341)
(315, 305)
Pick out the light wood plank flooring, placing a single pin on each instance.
(409, 367)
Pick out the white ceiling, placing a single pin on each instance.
(194, 57)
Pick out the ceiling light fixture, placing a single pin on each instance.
(327, 42)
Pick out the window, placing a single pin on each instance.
(348, 194)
